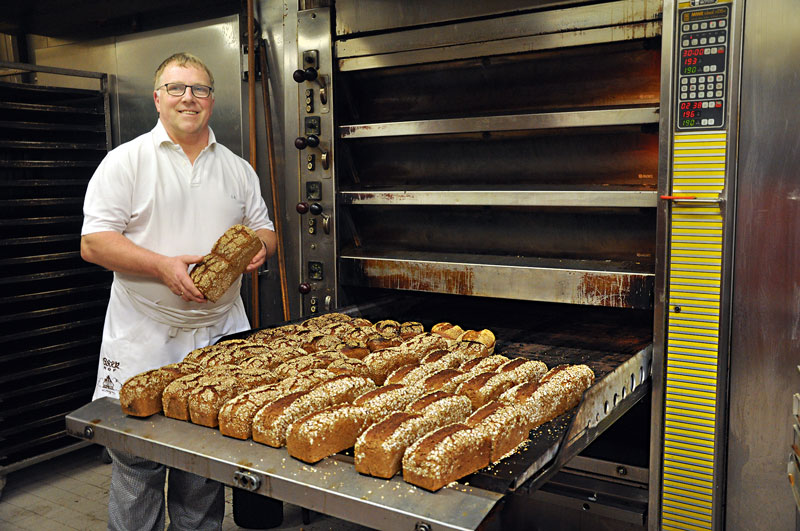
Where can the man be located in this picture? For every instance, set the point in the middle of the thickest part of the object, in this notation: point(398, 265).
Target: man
point(153, 208)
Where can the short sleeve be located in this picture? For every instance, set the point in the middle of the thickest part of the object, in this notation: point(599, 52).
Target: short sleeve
point(256, 215)
point(108, 202)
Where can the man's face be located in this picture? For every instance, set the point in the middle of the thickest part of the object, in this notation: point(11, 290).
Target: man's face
point(184, 116)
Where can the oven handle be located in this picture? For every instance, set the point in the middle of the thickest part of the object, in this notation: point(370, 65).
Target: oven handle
point(692, 199)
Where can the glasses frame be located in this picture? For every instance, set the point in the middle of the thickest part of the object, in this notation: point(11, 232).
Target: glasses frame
point(185, 86)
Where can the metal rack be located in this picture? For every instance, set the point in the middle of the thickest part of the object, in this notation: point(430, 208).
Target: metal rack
point(52, 303)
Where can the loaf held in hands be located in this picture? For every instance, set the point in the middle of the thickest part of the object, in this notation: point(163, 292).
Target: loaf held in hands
point(227, 260)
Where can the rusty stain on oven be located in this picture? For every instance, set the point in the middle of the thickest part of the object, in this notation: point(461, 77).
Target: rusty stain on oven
point(619, 291)
point(418, 277)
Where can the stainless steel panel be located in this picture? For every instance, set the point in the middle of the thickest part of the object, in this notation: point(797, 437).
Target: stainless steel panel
point(215, 42)
point(331, 486)
point(357, 16)
point(765, 324)
point(505, 46)
point(661, 266)
point(583, 17)
point(516, 122)
point(499, 197)
point(573, 282)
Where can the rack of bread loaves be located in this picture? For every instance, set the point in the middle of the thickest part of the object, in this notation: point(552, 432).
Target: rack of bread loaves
point(387, 399)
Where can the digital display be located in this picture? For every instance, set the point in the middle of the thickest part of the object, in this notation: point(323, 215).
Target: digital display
point(694, 60)
point(702, 75)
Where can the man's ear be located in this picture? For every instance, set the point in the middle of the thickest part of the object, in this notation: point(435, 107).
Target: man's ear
point(156, 101)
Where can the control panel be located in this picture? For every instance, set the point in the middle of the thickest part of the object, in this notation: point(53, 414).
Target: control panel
point(702, 68)
point(313, 147)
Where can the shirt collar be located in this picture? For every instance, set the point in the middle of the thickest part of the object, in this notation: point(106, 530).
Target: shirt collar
point(160, 136)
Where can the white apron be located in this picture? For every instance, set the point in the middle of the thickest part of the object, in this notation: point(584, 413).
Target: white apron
point(140, 335)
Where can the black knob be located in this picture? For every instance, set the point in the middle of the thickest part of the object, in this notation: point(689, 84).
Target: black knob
point(315, 209)
point(312, 140)
point(304, 288)
point(310, 73)
point(301, 76)
point(302, 207)
point(300, 142)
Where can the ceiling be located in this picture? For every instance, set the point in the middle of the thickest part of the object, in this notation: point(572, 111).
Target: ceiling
point(86, 19)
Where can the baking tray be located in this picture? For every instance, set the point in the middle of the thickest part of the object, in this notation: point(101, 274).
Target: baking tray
point(616, 346)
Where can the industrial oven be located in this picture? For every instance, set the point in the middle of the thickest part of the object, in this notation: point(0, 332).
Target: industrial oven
point(567, 174)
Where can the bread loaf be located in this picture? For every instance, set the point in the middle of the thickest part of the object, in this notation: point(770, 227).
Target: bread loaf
point(410, 329)
point(213, 390)
point(484, 336)
point(271, 423)
point(412, 373)
point(353, 348)
point(558, 393)
point(505, 425)
point(352, 366)
point(479, 365)
point(444, 456)
point(320, 321)
point(423, 344)
point(382, 362)
point(236, 415)
point(447, 330)
point(203, 354)
point(175, 398)
point(469, 350)
point(444, 380)
point(140, 396)
point(442, 408)
point(443, 359)
point(383, 401)
point(485, 387)
point(305, 363)
point(379, 450)
point(378, 341)
point(326, 432)
point(272, 357)
point(269, 334)
point(524, 370)
point(227, 260)
point(387, 327)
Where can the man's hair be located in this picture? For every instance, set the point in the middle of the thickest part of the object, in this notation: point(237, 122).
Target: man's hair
point(181, 59)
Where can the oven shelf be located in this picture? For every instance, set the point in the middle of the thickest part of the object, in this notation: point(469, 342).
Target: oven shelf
point(587, 198)
point(585, 282)
point(510, 122)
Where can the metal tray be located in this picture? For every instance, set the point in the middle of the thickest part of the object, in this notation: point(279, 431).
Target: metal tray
point(618, 351)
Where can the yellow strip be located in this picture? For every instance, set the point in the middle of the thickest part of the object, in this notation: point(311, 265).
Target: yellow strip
point(689, 506)
point(689, 452)
point(678, 484)
point(704, 501)
point(689, 461)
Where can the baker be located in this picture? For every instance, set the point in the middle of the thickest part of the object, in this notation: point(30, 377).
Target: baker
point(153, 208)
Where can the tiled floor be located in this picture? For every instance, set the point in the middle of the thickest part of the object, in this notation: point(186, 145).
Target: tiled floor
point(71, 492)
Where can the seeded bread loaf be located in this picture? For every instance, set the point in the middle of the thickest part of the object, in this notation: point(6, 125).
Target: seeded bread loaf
point(379, 450)
point(505, 425)
point(444, 380)
point(213, 390)
point(382, 362)
point(140, 396)
point(485, 387)
point(326, 432)
point(175, 398)
point(227, 260)
point(479, 365)
point(236, 415)
point(556, 393)
point(423, 344)
point(383, 401)
point(444, 456)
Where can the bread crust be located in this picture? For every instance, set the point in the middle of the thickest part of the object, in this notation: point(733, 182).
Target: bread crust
point(553, 397)
point(444, 456)
point(505, 425)
point(227, 260)
point(326, 432)
point(385, 400)
point(236, 415)
point(382, 362)
point(379, 450)
point(444, 380)
point(448, 330)
point(140, 396)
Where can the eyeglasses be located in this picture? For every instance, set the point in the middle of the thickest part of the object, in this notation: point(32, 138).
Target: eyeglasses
point(179, 89)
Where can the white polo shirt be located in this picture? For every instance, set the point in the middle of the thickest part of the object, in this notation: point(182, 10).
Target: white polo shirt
point(148, 190)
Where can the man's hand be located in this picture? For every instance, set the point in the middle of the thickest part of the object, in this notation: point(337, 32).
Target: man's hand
point(173, 272)
point(258, 259)
point(117, 253)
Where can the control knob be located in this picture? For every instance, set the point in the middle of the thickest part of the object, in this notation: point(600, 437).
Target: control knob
point(315, 209)
point(304, 288)
point(302, 207)
point(309, 74)
point(302, 141)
